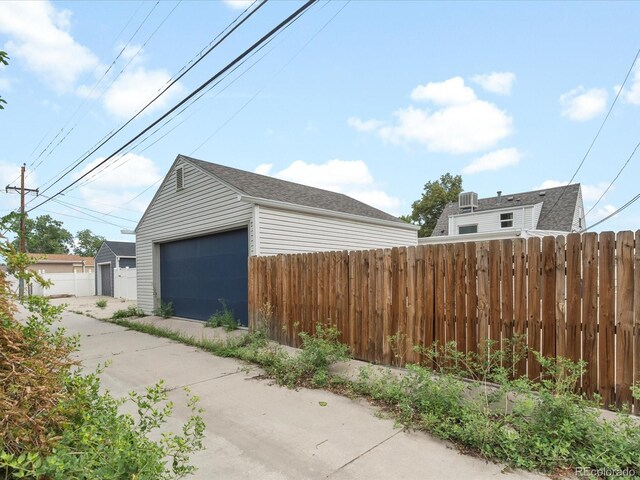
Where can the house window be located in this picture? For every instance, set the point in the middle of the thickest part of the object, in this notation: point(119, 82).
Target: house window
point(464, 229)
point(179, 178)
point(506, 220)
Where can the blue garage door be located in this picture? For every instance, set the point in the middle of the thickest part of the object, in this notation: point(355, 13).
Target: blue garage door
point(197, 272)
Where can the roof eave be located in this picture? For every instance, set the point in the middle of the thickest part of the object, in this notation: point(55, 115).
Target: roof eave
point(327, 213)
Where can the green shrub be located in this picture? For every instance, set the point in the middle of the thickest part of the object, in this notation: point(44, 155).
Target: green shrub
point(130, 311)
point(56, 422)
point(223, 318)
point(102, 303)
point(164, 310)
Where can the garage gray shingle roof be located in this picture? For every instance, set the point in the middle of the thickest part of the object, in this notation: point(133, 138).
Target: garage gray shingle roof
point(122, 249)
point(270, 188)
point(558, 217)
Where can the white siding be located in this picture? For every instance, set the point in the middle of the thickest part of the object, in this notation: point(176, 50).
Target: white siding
point(489, 221)
point(284, 231)
point(579, 222)
point(202, 207)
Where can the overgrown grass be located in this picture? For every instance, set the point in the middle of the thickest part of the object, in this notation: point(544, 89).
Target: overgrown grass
point(102, 303)
point(471, 399)
point(164, 310)
point(130, 311)
point(223, 318)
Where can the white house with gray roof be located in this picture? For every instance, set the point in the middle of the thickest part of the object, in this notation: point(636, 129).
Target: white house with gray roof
point(194, 239)
point(552, 211)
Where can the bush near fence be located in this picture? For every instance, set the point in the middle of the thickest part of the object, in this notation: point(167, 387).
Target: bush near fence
point(576, 297)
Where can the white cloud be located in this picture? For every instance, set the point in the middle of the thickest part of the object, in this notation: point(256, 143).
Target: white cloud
point(599, 213)
point(632, 93)
point(135, 88)
point(449, 92)
point(364, 125)
point(264, 168)
point(467, 128)
point(496, 82)
point(238, 4)
point(119, 181)
point(502, 158)
point(462, 124)
point(351, 177)
point(581, 105)
point(39, 37)
point(590, 193)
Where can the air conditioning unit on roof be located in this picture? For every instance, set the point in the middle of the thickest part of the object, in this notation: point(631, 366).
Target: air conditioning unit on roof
point(468, 200)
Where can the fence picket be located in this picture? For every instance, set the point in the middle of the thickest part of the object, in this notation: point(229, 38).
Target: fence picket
point(624, 318)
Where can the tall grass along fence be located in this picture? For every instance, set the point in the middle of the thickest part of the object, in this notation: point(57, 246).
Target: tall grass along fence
point(576, 297)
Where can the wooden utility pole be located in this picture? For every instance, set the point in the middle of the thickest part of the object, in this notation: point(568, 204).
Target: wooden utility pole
point(23, 242)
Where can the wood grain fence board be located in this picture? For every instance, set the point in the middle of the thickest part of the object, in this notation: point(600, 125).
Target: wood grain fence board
point(483, 293)
point(402, 300)
point(429, 298)
point(352, 302)
point(561, 304)
point(472, 297)
point(440, 318)
point(395, 290)
point(520, 296)
point(419, 321)
point(411, 276)
point(574, 296)
point(379, 305)
point(449, 292)
point(548, 296)
point(534, 324)
point(590, 312)
point(636, 318)
point(460, 297)
point(367, 326)
point(495, 318)
point(606, 314)
point(387, 312)
point(371, 305)
point(361, 287)
point(506, 303)
point(624, 318)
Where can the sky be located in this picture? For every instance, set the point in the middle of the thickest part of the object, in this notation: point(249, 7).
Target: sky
point(371, 99)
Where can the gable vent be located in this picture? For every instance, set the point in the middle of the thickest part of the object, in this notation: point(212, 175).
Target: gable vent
point(179, 178)
point(468, 200)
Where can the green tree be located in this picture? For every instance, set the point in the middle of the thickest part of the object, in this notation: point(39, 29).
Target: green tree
point(3, 61)
point(87, 244)
point(426, 211)
point(42, 234)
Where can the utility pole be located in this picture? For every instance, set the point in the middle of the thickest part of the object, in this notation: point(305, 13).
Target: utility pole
point(23, 242)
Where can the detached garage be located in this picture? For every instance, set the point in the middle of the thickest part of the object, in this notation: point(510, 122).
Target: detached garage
point(193, 241)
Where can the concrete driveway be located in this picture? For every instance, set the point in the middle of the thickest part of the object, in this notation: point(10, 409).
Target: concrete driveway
point(258, 430)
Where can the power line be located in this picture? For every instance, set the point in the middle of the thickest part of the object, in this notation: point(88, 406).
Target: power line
point(629, 203)
point(614, 179)
point(95, 85)
point(115, 132)
point(291, 18)
point(594, 139)
point(79, 208)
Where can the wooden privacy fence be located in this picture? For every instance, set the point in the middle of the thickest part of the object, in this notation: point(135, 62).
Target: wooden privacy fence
point(577, 297)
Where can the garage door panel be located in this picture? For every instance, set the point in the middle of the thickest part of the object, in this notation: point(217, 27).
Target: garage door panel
point(197, 272)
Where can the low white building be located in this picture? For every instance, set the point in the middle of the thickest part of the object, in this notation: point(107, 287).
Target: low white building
point(552, 211)
point(193, 241)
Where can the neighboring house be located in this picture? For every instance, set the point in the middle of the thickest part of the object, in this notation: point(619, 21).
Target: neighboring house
point(552, 211)
point(195, 237)
point(112, 255)
point(61, 263)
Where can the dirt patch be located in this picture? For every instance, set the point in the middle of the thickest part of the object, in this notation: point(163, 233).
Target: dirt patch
point(89, 305)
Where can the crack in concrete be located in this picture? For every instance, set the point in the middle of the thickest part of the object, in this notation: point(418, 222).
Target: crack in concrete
point(115, 354)
point(364, 453)
point(201, 381)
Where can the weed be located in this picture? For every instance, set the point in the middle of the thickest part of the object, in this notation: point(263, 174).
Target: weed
point(130, 311)
point(164, 310)
point(398, 345)
point(102, 303)
point(223, 318)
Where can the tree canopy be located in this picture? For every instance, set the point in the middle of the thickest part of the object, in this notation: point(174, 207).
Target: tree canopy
point(426, 211)
point(87, 244)
point(3, 61)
